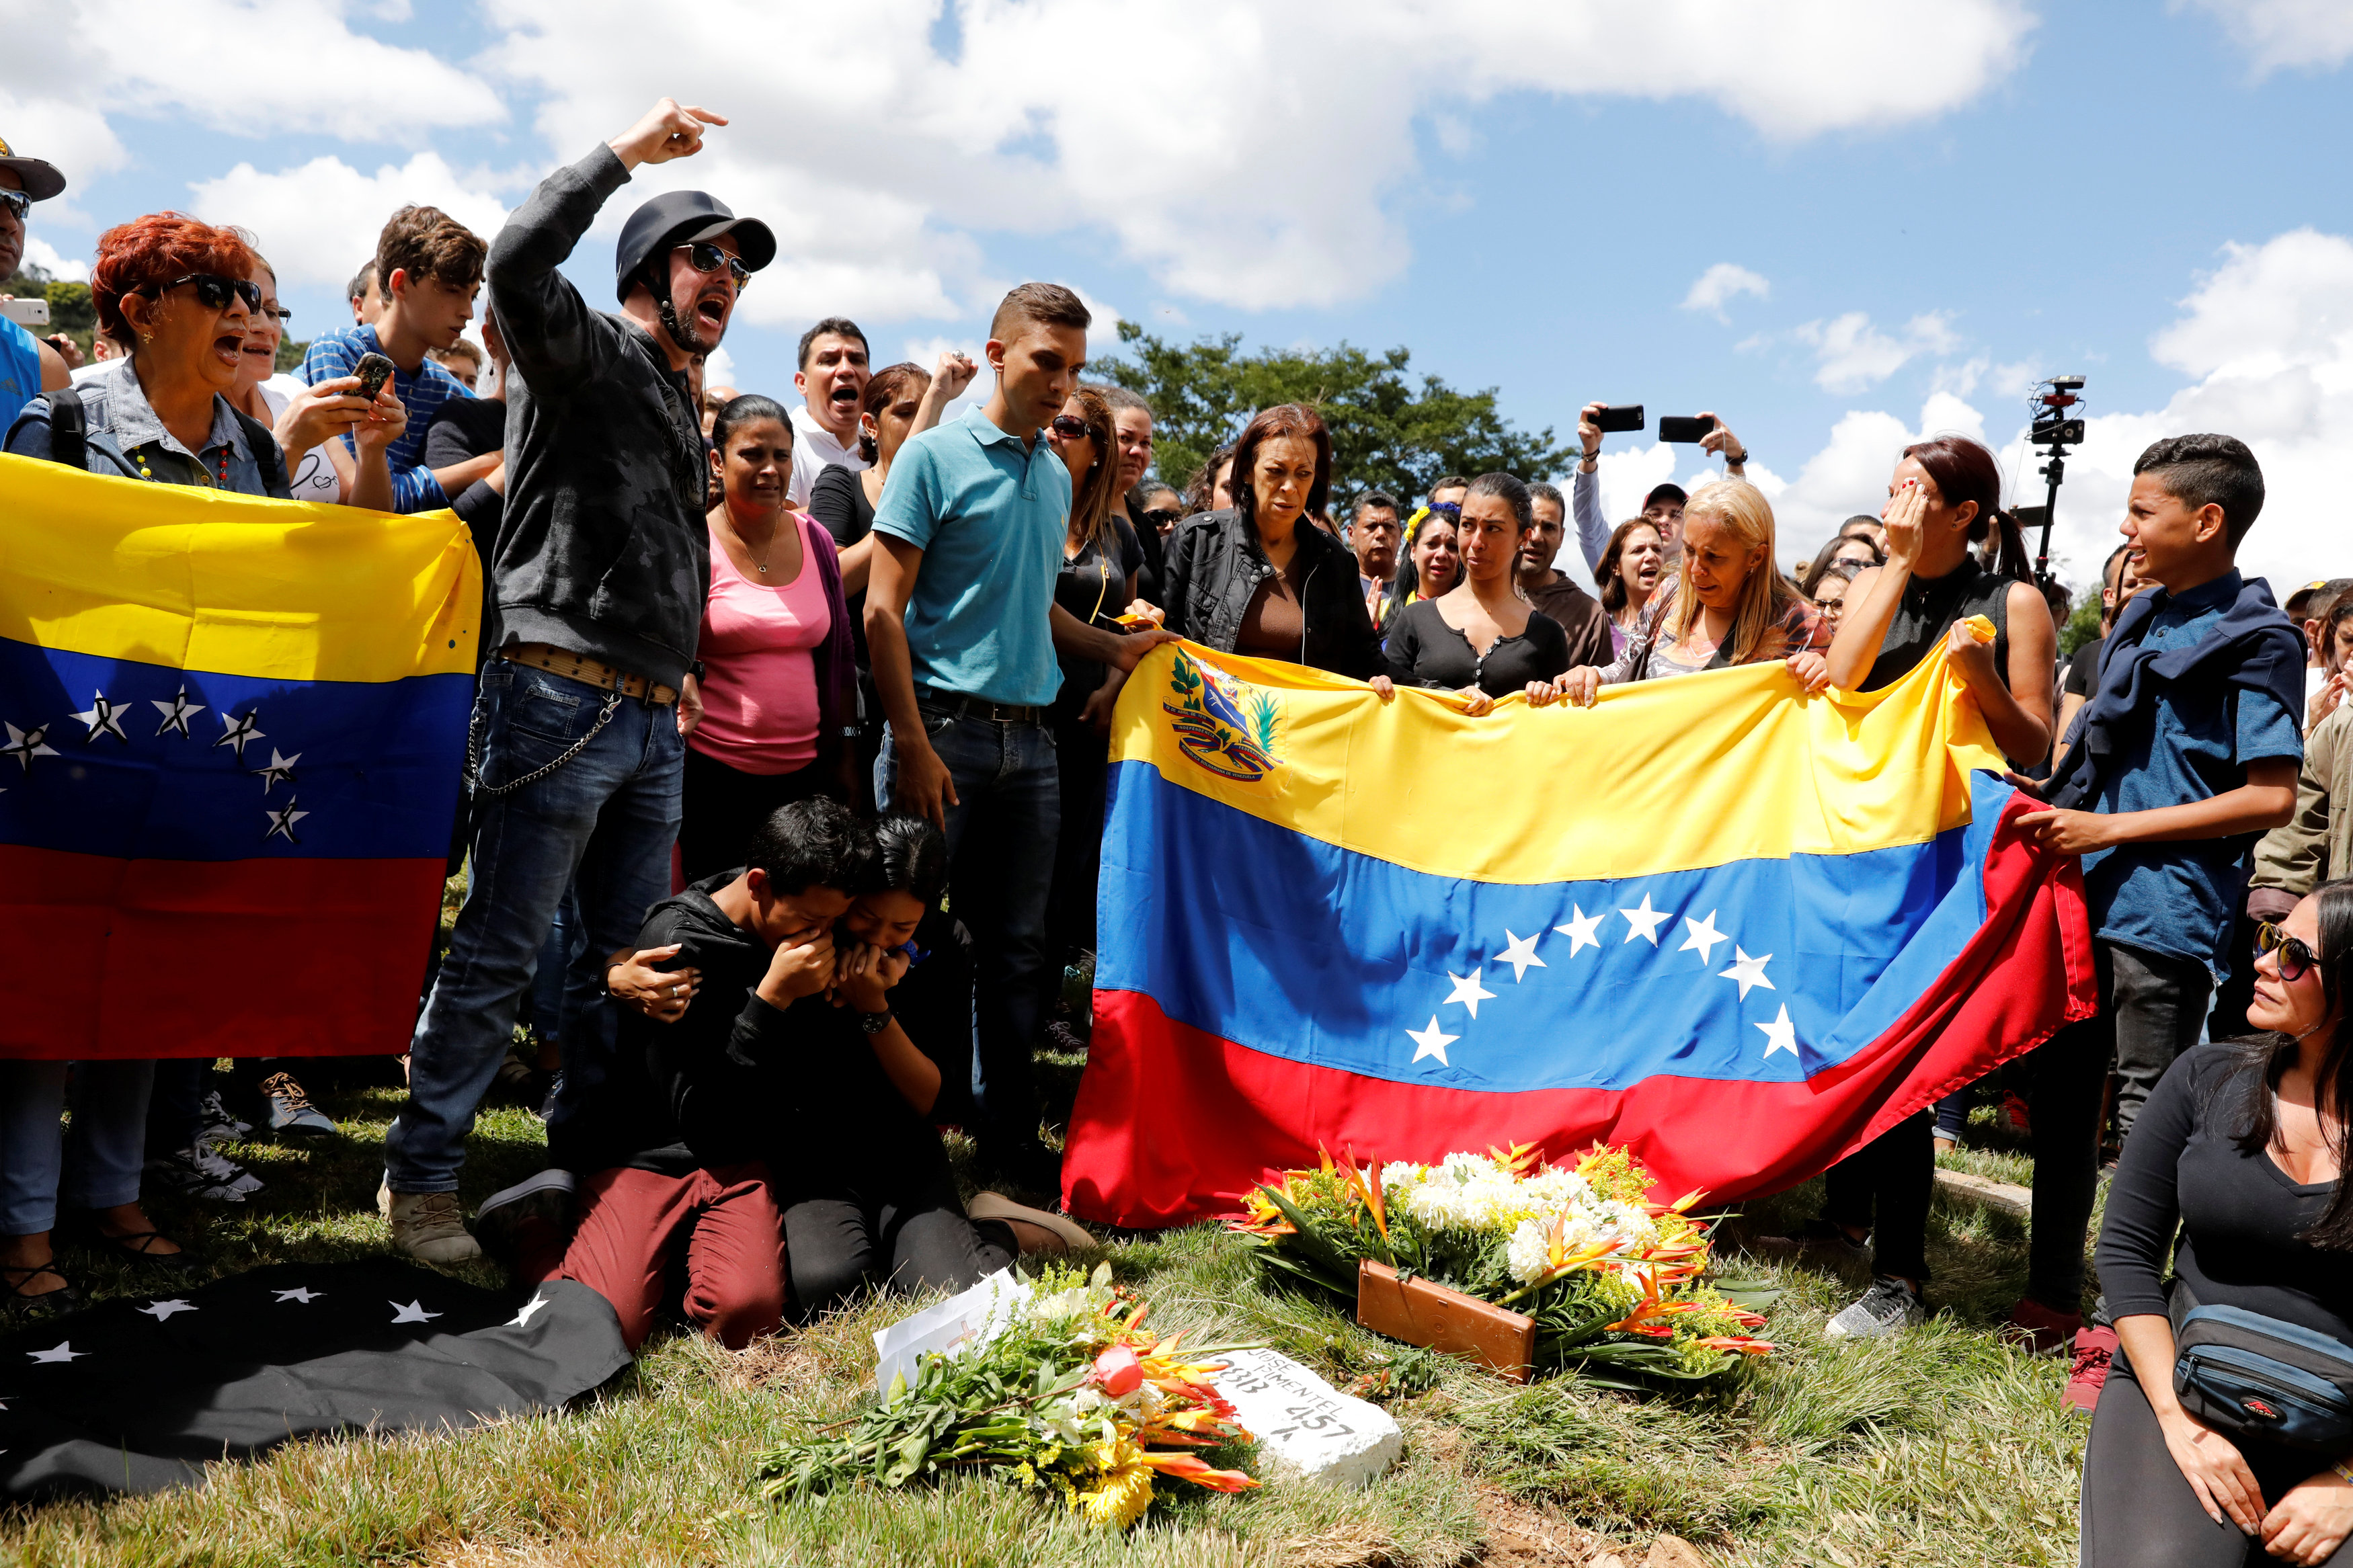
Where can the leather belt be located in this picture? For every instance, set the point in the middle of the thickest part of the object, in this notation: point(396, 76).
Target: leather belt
point(595, 672)
point(965, 707)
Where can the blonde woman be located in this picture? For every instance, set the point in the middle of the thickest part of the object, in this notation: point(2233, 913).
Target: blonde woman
point(1729, 604)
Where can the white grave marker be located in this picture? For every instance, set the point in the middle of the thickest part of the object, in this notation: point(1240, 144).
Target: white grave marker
point(1306, 1426)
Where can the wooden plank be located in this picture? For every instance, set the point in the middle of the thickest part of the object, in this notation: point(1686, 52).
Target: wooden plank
point(1422, 1313)
point(2007, 1196)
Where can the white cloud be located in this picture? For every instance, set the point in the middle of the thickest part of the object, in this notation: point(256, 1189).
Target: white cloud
point(40, 253)
point(1720, 284)
point(719, 370)
point(318, 222)
point(2312, 34)
point(1851, 354)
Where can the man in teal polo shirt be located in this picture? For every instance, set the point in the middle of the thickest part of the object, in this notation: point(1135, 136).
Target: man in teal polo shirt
point(963, 627)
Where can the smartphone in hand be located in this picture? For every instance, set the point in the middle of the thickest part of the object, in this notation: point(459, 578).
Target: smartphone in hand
point(1675, 428)
point(374, 371)
point(1619, 417)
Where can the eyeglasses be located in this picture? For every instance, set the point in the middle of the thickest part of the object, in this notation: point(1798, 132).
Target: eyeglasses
point(213, 290)
point(1069, 428)
point(1162, 516)
point(281, 311)
point(17, 203)
point(705, 256)
point(2295, 960)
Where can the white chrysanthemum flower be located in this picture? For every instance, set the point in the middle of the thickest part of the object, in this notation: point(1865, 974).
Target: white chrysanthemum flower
point(1529, 1253)
point(1628, 1220)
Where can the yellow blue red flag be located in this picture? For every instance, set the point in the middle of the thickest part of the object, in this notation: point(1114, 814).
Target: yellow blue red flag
point(1738, 929)
point(234, 732)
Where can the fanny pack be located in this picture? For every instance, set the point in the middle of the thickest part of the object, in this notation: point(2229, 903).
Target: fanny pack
point(2247, 1376)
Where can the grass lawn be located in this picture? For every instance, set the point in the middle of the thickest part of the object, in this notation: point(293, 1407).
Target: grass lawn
point(1943, 1448)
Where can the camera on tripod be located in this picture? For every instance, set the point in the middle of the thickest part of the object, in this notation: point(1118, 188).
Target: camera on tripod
point(2054, 430)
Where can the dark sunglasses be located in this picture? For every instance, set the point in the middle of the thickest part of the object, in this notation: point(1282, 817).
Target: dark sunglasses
point(17, 203)
point(705, 256)
point(1069, 428)
point(1162, 516)
point(2295, 960)
point(213, 290)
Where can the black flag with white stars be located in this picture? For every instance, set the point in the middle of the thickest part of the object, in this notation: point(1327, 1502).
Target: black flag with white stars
point(138, 1394)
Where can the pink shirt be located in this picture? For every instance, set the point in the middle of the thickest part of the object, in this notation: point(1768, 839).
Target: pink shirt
point(760, 711)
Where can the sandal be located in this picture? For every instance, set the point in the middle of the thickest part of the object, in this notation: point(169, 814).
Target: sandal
point(136, 1246)
point(14, 1296)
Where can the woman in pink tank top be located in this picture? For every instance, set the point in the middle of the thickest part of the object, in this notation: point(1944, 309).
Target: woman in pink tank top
point(776, 651)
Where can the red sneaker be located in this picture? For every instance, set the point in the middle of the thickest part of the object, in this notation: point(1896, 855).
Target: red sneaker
point(2095, 1347)
point(2037, 1329)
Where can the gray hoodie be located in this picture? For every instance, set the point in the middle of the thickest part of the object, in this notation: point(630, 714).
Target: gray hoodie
point(603, 549)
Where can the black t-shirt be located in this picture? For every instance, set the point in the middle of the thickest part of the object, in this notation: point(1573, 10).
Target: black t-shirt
point(2083, 670)
point(1423, 650)
point(837, 500)
point(1092, 586)
point(465, 427)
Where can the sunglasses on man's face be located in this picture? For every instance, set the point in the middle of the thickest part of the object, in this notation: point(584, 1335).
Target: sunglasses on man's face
point(16, 202)
point(705, 256)
point(2295, 960)
point(1069, 428)
point(213, 291)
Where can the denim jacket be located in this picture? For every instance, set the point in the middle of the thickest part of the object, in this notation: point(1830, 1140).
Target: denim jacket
point(126, 441)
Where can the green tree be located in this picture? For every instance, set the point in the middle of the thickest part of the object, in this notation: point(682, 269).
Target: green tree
point(1387, 432)
point(290, 351)
point(71, 311)
point(2083, 626)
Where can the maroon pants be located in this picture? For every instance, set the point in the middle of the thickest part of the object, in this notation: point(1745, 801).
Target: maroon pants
point(632, 1225)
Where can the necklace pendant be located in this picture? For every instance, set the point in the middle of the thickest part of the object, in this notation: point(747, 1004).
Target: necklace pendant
point(764, 568)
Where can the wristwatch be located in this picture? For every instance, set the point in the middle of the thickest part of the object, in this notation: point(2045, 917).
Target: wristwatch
point(874, 1023)
point(1739, 462)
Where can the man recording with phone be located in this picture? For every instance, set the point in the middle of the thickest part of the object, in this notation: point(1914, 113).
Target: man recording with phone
point(601, 570)
point(28, 366)
point(1664, 505)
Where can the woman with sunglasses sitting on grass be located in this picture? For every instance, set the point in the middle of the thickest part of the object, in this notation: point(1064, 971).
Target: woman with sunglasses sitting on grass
point(2240, 1154)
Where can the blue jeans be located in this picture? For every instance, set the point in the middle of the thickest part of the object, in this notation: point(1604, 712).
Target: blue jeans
point(93, 1166)
point(1001, 834)
point(602, 823)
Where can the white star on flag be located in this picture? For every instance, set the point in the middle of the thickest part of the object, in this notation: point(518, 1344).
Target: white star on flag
point(1645, 921)
point(302, 1293)
point(283, 820)
point(26, 744)
point(522, 1319)
point(414, 1312)
point(1520, 953)
point(160, 1311)
point(280, 770)
point(1701, 935)
point(62, 1351)
point(104, 718)
point(1580, 930)
point(176, 713)
point(240, 731)
point(1468, 991)
point(1749, 972)
point(1431, 1042)
point(1780, 1034)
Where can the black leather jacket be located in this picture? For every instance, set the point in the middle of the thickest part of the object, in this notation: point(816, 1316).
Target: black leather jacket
point(1215, 563)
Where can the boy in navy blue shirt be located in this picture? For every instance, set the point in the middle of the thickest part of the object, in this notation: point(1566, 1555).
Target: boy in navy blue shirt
point(2185, 755)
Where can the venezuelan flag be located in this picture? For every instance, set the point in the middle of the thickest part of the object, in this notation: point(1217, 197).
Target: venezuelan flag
point(1735, 929)
point(234, 734)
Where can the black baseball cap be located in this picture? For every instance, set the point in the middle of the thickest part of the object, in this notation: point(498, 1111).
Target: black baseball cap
point(41, 180)
point(681, 217)
point(1664, 492)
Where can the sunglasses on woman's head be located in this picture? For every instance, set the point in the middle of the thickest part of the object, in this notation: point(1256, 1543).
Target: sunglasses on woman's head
point(2295, 958)
point(705, 256)
point(1069, 428)
point(213, 290)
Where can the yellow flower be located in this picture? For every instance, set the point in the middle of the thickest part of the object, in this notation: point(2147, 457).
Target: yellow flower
point(1120, 1499)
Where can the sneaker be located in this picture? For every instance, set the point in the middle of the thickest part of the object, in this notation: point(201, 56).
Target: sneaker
point(1062, 1039)
point(2087, 1373)
point(290, 1111)
point(429, 1227)
point(520, 1079)
point(201, 1170)
point(544, 1199)
point(1067, 1235)
point(1816, 1240)
point(2038, 1329)
point(216, 1124)
point(1889, 1307)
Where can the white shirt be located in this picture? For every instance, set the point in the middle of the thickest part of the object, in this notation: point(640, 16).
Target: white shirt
point(310, 476)
point(814, 448)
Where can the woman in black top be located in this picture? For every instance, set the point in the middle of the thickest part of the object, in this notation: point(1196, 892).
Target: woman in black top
point(1481, 639)
point(1252, 580)
point(2240, 1154)
point(1945, 496)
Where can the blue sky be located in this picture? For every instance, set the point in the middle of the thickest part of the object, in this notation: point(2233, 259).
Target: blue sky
point(1937, 204)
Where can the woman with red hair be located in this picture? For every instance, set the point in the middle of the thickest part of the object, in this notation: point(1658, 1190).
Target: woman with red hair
point(178, 295)
point(1250, 580)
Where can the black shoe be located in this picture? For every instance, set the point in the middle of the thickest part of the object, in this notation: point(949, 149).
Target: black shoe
point(14, 1299)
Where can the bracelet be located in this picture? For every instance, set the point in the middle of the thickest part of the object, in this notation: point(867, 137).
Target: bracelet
point(2342, 1473)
